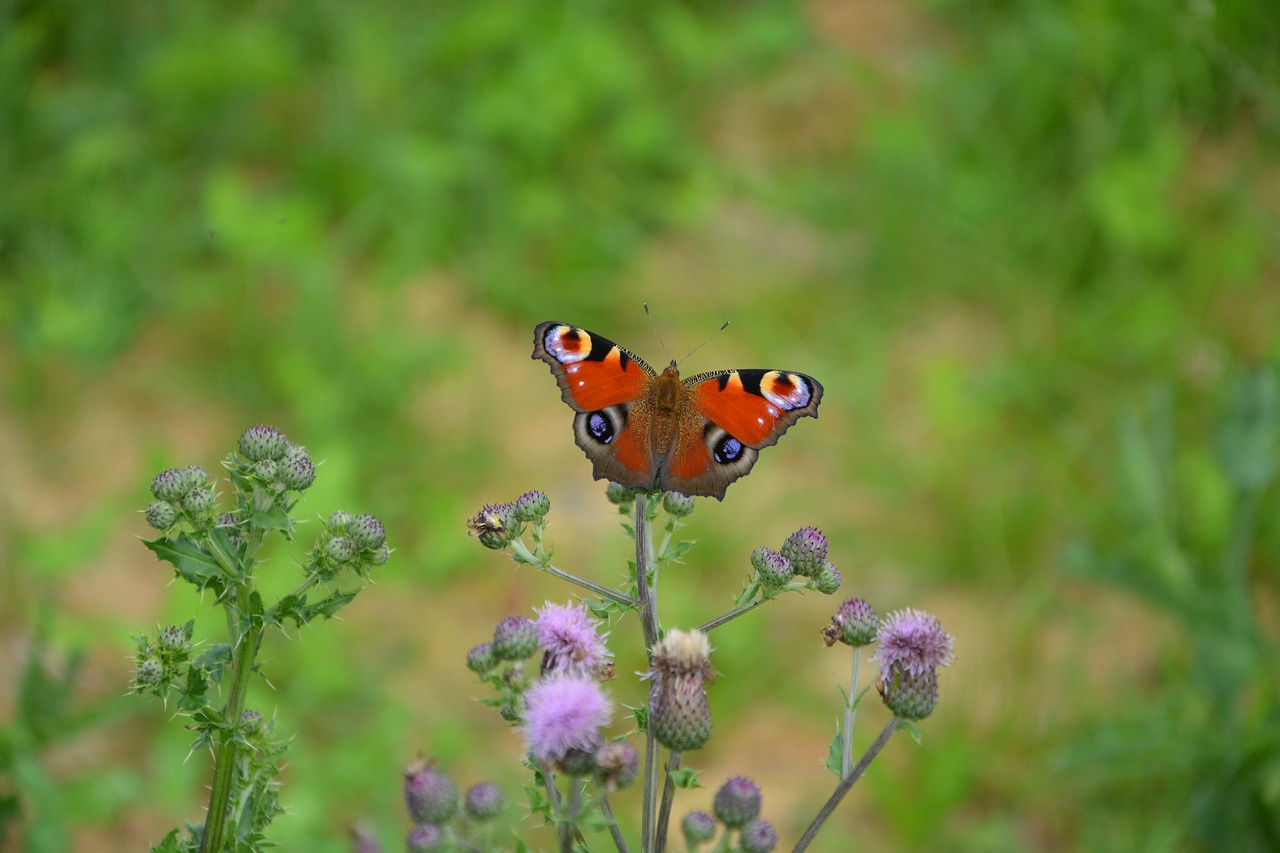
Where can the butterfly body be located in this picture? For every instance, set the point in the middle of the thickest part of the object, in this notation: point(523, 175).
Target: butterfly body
point(657, 431)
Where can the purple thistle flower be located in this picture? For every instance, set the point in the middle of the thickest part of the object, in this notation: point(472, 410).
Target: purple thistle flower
point(737, 803)
point(914, 642)
point(562, 712)
point(568, 634)
point(759, 836)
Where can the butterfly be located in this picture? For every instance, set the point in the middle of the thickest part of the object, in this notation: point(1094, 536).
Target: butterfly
point(656, 431)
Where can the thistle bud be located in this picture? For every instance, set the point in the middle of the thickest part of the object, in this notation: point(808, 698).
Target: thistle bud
point(150, 671)
point(380, 556)
point(481, 659)
point(759, 836)
point(698, 828)
point(679, 716)
point(198, 501)
point(855, 624)
point(620, 495)
point(367, 531)
point(173, 638)
point(828, 579)
point(515, 638)
point(161, 515)
point(532, 506)
point(429, 795)
point(340, 549)
point(426, 838)
point(339, 520)
point(484, 801)
point(773, 569)
point(737, 803)
point(261, 442)
point(297, 471)
point(267, 470)
point(807, 550)
point(167, 485)
point(494, 525)
point(677, 505)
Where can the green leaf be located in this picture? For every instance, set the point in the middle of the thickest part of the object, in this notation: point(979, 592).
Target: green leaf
point(835, 755)
point(685, 777)
point(276, 517)
point(192, 563)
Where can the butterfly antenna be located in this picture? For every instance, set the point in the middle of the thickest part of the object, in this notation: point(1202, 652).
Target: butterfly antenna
point(704, 343)
point(654, 326)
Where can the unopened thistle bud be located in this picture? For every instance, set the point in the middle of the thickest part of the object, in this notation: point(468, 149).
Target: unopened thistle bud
point(173, 638)
point(532, 506)
point(807, 550)
point(429, 794)
point(261, 442)
point(266, 470)
point(679, 717)
point(515, 638)
point(480, 659)
point(759, 836)
point(698, 828)
point(772, 569)
point(367, 531)
point(150, 671)
point(620, 495)
point(198, 501)
point(297, 471)
point(338, 521)
point(426, 838)
point(167, 485)
point(828, 579)
point(380, 556)
point(677, 504)
point(911, 696)
point(617, 763)
point(855, 624)
point(737, 803)
point(340, 549)
point(484, 801)
point(161, 515)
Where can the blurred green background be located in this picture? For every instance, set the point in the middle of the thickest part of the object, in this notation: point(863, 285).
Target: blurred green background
point(1032, 250)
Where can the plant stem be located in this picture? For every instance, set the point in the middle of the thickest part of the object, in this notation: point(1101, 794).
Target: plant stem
point(225, 753)
point(850, 710)
point(528, 557)
point(845, 785)
point(668, 794)
point(649, 624)
point(618, 840)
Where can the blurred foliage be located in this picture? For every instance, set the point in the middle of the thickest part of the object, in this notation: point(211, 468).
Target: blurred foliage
point(1195, 534)
point(981, 225)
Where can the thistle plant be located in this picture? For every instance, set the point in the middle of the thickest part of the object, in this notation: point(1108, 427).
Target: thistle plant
point(218, 552)
point(551, 676)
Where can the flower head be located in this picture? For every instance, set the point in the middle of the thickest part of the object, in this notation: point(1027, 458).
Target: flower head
point(495, 525)
point(514, 638)
point(759, 836)
point(569, 636)
point(806, 549)
point(679, 716)
point(532, 506)
point(617, 764)
point(429, 794)
point(854, 624)
point(912, 641)
point(773, 569)
point(911, 696)
point(562, 712)
point(737, 803)
point(697, 828)
point(484, 801)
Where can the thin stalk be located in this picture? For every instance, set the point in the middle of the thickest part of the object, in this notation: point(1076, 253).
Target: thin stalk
point(527, 556)
point(649, 624)
point(845, 785)
point(563, 832)
point(850, 711)
point(668, 795)
point(618, 840)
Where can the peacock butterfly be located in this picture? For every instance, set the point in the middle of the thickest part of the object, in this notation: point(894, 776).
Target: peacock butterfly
point(641, 428)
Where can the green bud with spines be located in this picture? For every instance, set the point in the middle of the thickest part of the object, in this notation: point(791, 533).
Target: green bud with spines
point(199, 501)
point(807, 550)
point(430, 795)
point(577, 762)
point(261, 442)
point(854, 624)
point(698, 828)
point(173, 638)
point(150, 671)
point(380, 556)
point(737, 803)
point(340, 549)
point(532, 506)
point(484, 801)
point(758, 836)
point(772, 569)
point(339, 521)
point(266, 470)
point(515, 638)
point(161, 515)
point(828, 579)
point(677, 504)
point(481, 659)
point(426, 838)
point(167, 485)
point(620, 495)
point(679, 716)
point(297, 471)
point(367, 531)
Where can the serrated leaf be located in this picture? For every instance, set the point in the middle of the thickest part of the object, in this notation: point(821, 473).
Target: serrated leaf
point(276, 517)
point(192, 563)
